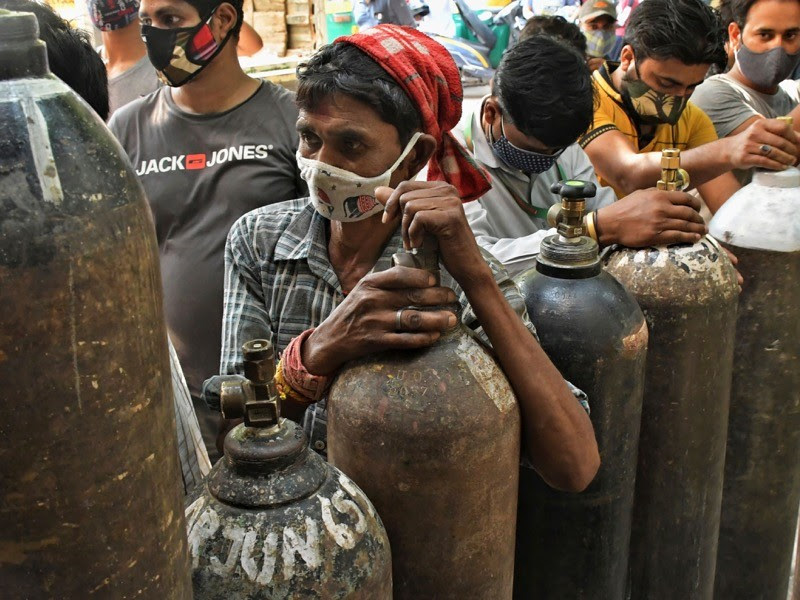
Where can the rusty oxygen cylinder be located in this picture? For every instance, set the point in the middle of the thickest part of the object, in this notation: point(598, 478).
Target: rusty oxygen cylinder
point(760, 224)
point(576, 545)
point(92, 503)
point(275, 521)
point(433, 437)
point(688, 293)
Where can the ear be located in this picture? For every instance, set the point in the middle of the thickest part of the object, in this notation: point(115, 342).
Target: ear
point(419, 156)
point(225, 18)
point(734, 35)
point(626, 57)
point(491, 112)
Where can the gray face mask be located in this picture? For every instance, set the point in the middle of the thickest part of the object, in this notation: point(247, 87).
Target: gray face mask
point(766, 69)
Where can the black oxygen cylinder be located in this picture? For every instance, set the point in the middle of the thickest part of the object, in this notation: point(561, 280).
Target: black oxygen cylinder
point(92, 501)
point(576, 545)
point(761, 225)
point(688, 293)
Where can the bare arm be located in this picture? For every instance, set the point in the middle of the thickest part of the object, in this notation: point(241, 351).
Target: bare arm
point(557, 431)
point(717, 191)
point(617, 162)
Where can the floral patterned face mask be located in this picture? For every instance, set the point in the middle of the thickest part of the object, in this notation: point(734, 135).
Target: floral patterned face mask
point(341, 195)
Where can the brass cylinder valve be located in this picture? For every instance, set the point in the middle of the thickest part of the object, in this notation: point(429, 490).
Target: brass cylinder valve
point(673, 178)
point(254, 398)
point(567, 216)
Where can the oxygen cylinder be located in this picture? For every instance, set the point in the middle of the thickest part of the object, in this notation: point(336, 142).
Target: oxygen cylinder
point(274, 521)
point(576, 545)
point(688, 293)
point(761, 225)
point(91, 486)
point(433, 438)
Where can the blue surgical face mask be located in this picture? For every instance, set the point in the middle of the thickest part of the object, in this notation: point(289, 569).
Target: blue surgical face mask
point(526, 161)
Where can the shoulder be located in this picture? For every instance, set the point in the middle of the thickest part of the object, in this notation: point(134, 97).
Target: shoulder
point(277, 97)
point(137, 110)
point(259, 230)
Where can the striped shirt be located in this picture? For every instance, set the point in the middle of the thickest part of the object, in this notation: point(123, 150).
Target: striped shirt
point(279, 282)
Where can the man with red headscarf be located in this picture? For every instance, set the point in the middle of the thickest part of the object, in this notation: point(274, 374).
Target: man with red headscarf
point(315, 277)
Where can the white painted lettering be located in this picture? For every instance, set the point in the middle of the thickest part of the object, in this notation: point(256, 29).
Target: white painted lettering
point(308, 549)
point(177, 162)
point(249, 152)
point(152, 167)
point(261, 151)
point(270, 556)
point(236, 536)
point(341, 533)
point(202, 529)
point(164, 167)
point(235, 153)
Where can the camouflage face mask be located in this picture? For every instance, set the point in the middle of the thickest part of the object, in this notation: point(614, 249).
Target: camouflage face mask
point(651, 107)
point(180, 54)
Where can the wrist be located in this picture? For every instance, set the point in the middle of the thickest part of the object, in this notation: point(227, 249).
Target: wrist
point(604, 226)
point(315, 355)
point(476, 278)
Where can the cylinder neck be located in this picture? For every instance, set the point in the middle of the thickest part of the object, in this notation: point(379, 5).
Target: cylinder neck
point(22, 53)
point(265, 468)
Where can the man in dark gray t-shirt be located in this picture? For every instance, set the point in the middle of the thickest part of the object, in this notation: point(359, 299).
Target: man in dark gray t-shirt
point(207, 152)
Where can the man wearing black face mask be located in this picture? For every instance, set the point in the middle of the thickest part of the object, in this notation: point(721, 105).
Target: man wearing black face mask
point(765, 38)
point(525, 136)
point(644, 107)
point(209, 146)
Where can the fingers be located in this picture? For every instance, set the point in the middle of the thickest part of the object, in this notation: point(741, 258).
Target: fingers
point(757, 160)
point(687, 215)
point(683, 199)
point(731, 255)
point(398, 278)
point(410, 320)
point(394, 200)
point(683, 226)
point(672, 236)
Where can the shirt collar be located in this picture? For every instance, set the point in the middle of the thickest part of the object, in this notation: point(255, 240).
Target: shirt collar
point(602, 77)
point(306, 239)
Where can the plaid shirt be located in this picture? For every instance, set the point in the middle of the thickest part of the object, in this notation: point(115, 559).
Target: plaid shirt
point(279, 282)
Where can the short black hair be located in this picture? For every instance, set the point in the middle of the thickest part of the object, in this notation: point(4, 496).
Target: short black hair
point(545, 89)
point(70, 53)
point(739, 10)
point(557, 27)
point(725, 10)
point(204, 8)
point(342, 68)
point(687, 30)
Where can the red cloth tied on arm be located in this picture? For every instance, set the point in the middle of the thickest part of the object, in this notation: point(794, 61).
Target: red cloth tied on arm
point(426, 72)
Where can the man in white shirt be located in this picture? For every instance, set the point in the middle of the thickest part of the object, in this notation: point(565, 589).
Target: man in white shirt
point(524, 134)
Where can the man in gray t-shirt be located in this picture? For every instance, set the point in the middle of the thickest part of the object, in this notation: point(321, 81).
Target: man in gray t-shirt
point(210, 147)
point(764, 36)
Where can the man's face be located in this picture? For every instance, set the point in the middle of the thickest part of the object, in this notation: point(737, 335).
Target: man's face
point(669, 76)
point(770, 24)
point(601, 23)
point(346, 133)
point(492, 114)
point(168, 14)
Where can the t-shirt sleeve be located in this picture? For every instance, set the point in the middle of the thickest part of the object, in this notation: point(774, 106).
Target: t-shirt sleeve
point(701, 129)
point(602, 122)
point(724, 105)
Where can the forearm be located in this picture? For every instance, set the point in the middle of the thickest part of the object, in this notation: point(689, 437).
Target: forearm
point(708, 161)
point(557, 431)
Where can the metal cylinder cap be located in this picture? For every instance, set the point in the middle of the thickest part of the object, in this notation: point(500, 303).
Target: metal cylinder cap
point(266, 467)
point(783, 179)
point(22, 53)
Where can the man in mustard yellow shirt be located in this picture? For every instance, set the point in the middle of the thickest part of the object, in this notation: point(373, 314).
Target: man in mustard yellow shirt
point(643, 107)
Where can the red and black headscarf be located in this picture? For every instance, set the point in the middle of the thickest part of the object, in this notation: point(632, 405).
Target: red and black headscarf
point(426, 72)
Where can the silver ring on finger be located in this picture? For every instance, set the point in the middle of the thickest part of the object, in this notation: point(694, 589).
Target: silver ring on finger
point(398, 320)
point(765, 149)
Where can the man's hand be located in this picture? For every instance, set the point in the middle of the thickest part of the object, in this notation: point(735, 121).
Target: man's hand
point(366, 321)
point(767, 143)
point(651, 217)
point(434, 208)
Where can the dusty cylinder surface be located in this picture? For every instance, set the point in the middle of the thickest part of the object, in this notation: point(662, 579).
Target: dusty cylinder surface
point(432, 436)
point(688, 294)
point(761, 226)
point(576, 545)
point(92, 504)
point(274, 521)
